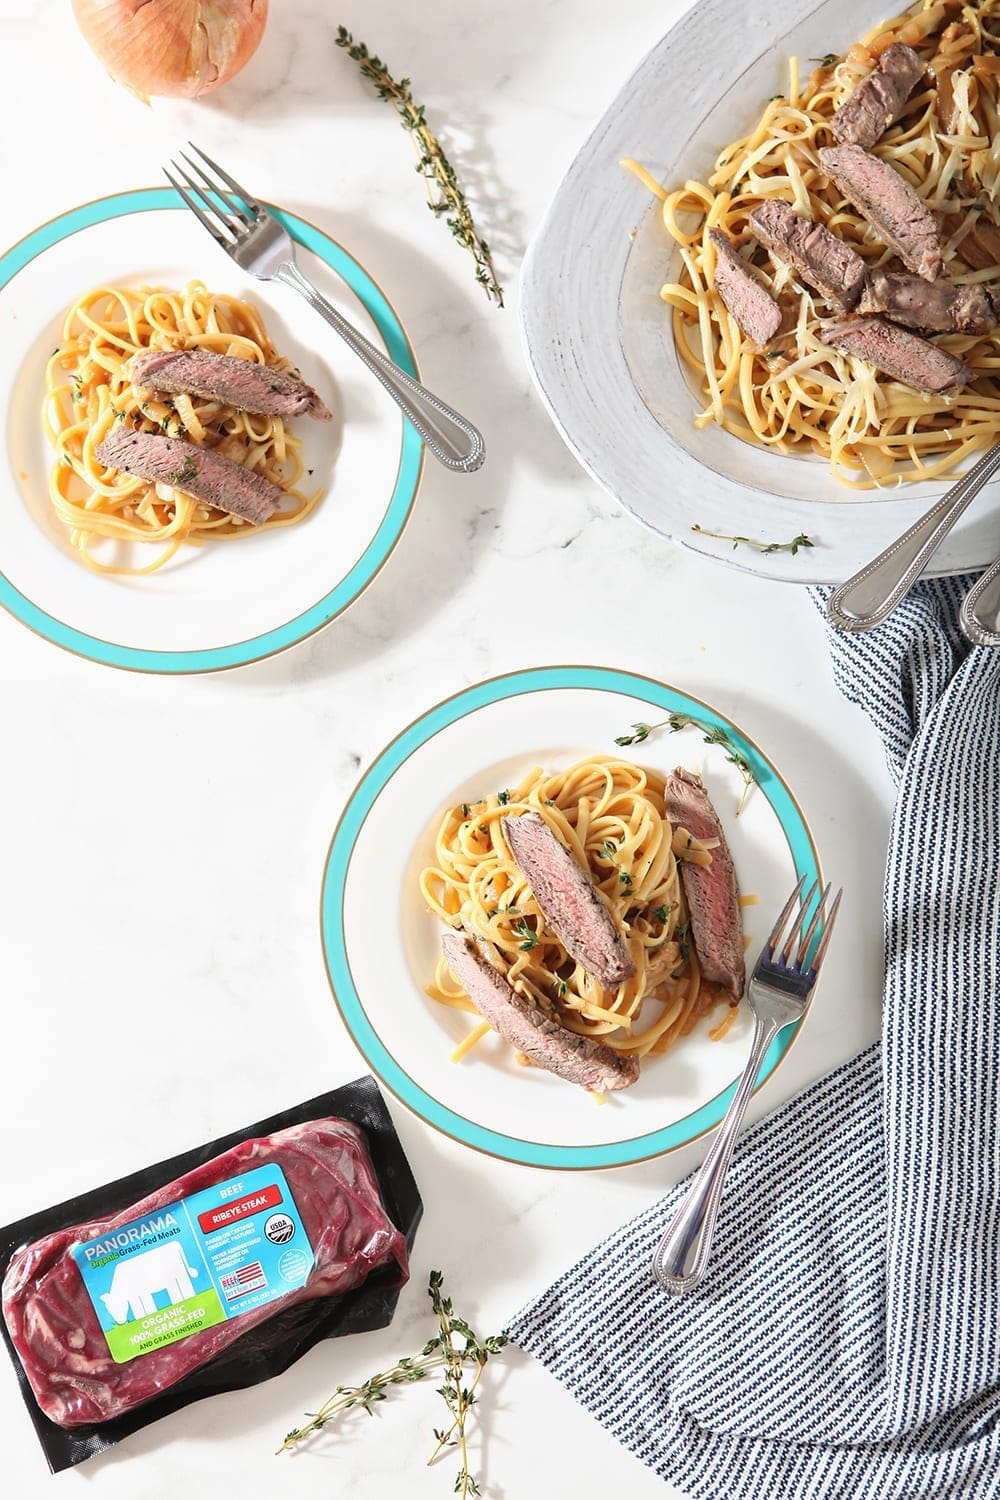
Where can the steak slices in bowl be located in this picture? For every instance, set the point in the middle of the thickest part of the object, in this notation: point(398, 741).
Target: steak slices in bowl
point(711, 891)
point(201, 472)
point(569, 899)
point(526, 1026)
point(929, 306)
point(240, 383)
point(904, 355)
point(885, 198)
point(826, 263)
point(746, 297)
point(879, 99)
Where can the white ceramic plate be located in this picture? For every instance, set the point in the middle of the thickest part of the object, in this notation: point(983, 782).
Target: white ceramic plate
point(219, 605)
point(381, 944)
point(598, 336)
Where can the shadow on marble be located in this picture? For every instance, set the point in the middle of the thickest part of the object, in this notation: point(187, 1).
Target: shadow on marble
point(465, 57)
point(454, 514)
point(454, 53)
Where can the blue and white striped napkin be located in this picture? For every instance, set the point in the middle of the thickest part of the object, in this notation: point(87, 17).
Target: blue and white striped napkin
point(846, 1342)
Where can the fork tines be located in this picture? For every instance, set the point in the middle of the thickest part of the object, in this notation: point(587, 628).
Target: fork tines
point(786, 941)
point(227, 210)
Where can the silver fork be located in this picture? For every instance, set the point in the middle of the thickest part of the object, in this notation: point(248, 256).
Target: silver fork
point(871, 595)
point(262, 246)
point(980, 614)
point(779, 993)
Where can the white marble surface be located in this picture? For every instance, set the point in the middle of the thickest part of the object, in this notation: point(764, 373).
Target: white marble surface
point(162, 841)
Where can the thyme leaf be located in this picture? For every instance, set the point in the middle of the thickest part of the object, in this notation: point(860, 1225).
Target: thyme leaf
point(455, 1349)
point(524, 930)
point(712, 734)
point(445, 197)
point(797, 542)
point(187, 470)
point(828, 60)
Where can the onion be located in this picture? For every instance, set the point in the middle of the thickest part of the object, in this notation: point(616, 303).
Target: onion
point(175, 48)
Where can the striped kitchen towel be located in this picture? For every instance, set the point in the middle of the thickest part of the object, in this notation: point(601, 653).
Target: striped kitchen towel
point(846, 1341)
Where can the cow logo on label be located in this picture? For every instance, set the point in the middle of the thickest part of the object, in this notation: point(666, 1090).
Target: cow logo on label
point(138, 1279)
point(279, 1228)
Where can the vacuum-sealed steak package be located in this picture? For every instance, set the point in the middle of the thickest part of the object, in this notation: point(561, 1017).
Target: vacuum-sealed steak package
point(209, 1272)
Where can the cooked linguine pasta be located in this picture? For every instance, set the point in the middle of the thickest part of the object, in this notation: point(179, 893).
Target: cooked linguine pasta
point(610, 815)
point(800, 395)
point(87, 390)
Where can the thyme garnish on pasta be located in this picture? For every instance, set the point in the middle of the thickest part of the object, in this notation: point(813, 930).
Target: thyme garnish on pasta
point(524, 929)
point(710, 733)
point(444, 193)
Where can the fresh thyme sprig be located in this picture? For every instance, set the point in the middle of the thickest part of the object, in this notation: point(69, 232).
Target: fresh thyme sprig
point(524, 929)
point(766, 547)
point(454, 1349)
point(444, 194)
point(712, 734)
point(459, 1346)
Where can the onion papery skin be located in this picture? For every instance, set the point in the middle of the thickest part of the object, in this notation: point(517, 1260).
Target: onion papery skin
point(175, 49)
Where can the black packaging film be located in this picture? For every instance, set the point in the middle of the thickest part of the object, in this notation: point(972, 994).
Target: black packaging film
point(271, 1347)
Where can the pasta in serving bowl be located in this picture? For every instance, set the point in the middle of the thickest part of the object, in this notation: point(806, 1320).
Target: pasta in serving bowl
point(795, 392)
point(600, 338)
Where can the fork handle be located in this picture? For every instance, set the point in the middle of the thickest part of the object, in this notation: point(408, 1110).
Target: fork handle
point(452, 439)
point(873, 593)
point(980, 616)
point(682, 1255)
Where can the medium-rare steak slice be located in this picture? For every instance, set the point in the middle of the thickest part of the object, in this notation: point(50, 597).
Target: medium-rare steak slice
point(522, 1023)
point(52, 1318)
point(196, 471)
point(749, 301)
point(899, 353)
point(889, 204)
point(237, 382)
point(878, 99)
point(711, 891)
point(569, 899)
point(930, 306)
point(821, 259)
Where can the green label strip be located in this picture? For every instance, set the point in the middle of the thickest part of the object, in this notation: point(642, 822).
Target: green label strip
point(129, 1340)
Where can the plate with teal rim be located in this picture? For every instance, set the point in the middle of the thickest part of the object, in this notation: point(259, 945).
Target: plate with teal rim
point(222, 604)
point(380, 942)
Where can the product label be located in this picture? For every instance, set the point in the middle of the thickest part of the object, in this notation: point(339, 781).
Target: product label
point(195, 1262)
